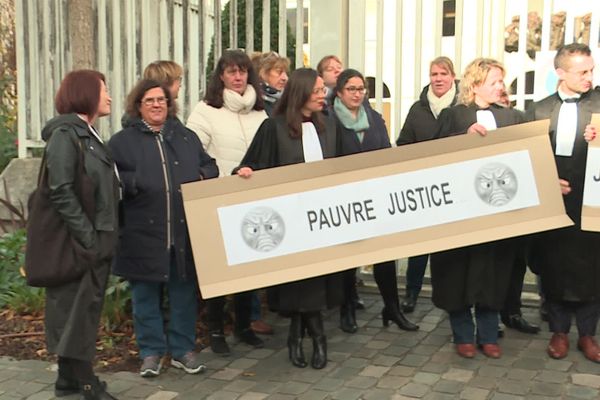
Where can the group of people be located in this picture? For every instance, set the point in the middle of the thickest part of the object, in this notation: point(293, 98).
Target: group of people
point(256, 115)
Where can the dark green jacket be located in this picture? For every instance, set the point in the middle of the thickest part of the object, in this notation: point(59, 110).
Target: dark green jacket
point(63, 135)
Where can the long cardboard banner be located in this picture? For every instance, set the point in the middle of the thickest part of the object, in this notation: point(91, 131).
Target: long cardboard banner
point(306, 220)
point(590, 211)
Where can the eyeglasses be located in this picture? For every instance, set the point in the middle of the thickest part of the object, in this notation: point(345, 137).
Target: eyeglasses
point(180, 79)
point(354, 89)
point(321, 90)
point(149, 102)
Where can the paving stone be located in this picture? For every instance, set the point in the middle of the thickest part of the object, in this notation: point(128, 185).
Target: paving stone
point(45, 395)
point(223, 395)
point(425, 350)
point(529, 363)
point(426, 378)
point(362, 382)
point(445, 386)
point(328, 384)
point(461, 375)
point(377, 345)
point(546, 389)
point(521, 374)
point(427, 327)
point(354, 362)
point(253, 396)
point(392, 382)
point(227, 374)
point(586, 380)
point(240, 386)
point(140, 392)
point(374, 371)
point(552, 377)
point(162, 395)
point(345, 373)
point(558, 365)
point(347, 394)
point(435, 368)
point(358, 338)
point(504, 396)
point(483, 382)
point(439, 396)
point(377, 394)
point(243, 363)
point(294, 388)
point(512, 387)
point(470, 393)
point(314, 395)
point(581, 392)
point(396, 351)
point(280, 396)
point(492, 371)
point(414, 390)
point(414, 360)
point(402, 370)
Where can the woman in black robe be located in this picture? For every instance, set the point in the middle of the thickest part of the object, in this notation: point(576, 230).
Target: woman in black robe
point(475, 276)
point(282, 140)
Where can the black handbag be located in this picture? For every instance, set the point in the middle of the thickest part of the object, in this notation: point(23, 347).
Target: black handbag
point(53, 256)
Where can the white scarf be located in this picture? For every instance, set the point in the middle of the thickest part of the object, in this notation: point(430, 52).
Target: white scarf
point(237, 103)
point(311, 146)
point(487, 119)
point(437, 104)
point(566, 126)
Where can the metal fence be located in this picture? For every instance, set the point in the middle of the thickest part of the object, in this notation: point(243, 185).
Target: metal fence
point(130, 34)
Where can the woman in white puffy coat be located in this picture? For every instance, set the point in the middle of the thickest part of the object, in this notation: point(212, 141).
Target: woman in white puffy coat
point(231, 111)
point(226, 121)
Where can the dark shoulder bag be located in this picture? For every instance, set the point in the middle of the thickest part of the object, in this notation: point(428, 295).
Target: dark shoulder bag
point(52, 256)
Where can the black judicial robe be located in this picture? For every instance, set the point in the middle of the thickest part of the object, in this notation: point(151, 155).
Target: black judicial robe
point(568, 259)
point(478, 274)
point(272, 147)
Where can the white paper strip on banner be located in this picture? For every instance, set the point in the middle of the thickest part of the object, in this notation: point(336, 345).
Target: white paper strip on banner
point(366, 209)
point(591, 188)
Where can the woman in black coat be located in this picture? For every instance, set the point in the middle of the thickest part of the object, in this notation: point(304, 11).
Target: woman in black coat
point(155, 153)
point(475, 276)
point(73, 309)
point(279, 141)
point(363, 129)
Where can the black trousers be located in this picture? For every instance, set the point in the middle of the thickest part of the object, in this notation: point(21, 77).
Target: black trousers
point(242, 303)
point(586, 314)
point(387, 283)
point(512, 303)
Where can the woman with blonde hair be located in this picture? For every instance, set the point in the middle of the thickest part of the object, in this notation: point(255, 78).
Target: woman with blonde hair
point(167, 73)
point(475, 276)
point(273, 72)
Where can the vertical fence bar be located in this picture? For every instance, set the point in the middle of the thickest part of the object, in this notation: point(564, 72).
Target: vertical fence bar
point(266, 26)
point(379, 59)
point(418, 55)
point(249, 26)
point(282, 45)
point(398, 81)
point(299, 33)
point(233, 25)
point(218, 39)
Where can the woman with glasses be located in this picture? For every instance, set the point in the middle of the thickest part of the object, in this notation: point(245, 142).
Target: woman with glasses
point(363, 129)
point(155, 153)
point(298, 132)
point(273, 71)
point(226, 122)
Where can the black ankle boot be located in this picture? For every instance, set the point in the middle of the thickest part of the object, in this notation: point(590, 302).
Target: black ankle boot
point(410, 302)
point(314, 325)
point(66, 383)
point(397, 317)
point(295, 351)
point(95, 390)
point(348, 318)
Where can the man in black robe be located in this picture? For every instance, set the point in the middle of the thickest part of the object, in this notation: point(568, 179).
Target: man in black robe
point(568, 259)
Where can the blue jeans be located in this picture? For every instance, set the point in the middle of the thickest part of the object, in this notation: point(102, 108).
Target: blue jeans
point(180, 335)
point(256, 306)
point(463, 327)
point(415, 273)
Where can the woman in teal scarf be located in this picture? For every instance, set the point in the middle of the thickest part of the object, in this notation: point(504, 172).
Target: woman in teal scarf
point(363, 129)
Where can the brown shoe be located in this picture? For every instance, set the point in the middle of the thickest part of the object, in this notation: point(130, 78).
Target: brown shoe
point(466, 350)
point(491, 350)
point(559, 346)
point(261, 327)
point(589, 348)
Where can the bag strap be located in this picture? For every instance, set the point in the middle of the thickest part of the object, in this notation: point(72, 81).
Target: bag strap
point(43, 173)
